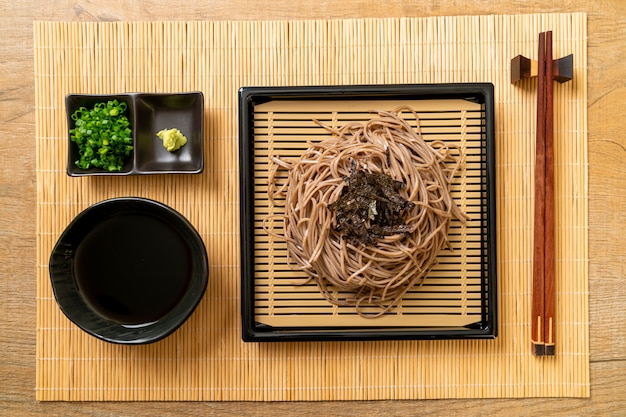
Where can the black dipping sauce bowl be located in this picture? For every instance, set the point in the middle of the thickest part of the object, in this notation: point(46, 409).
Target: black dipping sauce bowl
point(129, 270)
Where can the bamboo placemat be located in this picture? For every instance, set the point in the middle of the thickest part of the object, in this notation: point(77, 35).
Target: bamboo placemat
point(206, 359)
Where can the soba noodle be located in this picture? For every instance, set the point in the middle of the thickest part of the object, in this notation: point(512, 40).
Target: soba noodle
point(359, 275)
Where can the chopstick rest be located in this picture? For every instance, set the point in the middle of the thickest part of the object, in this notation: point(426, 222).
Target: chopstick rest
point(546, 70)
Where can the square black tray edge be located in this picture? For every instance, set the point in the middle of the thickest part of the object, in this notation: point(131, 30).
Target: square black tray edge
point(248, 97)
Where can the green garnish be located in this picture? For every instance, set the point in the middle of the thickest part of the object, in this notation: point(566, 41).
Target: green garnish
point(103, 136)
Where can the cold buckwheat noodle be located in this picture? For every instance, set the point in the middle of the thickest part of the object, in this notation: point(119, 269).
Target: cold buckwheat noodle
point(355, 274)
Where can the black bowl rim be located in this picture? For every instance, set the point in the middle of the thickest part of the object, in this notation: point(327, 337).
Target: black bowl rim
point(77, 311)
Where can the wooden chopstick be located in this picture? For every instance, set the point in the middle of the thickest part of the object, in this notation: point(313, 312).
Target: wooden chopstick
point(549, 269)
point(538, 306)
point(543, 300)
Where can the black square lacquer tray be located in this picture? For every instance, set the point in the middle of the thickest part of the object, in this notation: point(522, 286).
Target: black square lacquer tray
point(458, 297)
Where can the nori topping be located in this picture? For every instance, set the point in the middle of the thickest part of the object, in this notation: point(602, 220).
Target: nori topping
point(370, 208)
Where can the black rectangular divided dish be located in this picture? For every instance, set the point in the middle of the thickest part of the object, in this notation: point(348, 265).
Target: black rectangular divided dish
point(149, 113)
point(458, 299)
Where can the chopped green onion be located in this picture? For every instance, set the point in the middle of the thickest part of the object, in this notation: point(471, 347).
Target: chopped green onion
point(103, 136)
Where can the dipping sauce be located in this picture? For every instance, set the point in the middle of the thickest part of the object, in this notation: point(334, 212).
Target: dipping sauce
point(133, 269)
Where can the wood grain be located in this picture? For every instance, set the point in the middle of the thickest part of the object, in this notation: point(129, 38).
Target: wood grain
point(607, 203)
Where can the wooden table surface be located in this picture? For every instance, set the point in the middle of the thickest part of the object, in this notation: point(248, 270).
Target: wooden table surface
point(607, 199)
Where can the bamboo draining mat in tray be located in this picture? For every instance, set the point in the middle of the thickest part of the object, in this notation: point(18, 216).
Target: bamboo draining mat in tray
point(458, 297)
point(206, 358)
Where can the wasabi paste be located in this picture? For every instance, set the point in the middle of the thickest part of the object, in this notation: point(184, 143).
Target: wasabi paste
point(172, 139)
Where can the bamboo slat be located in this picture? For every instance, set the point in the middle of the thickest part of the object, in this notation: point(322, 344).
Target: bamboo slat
point(285, 130)
point(206, 360)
